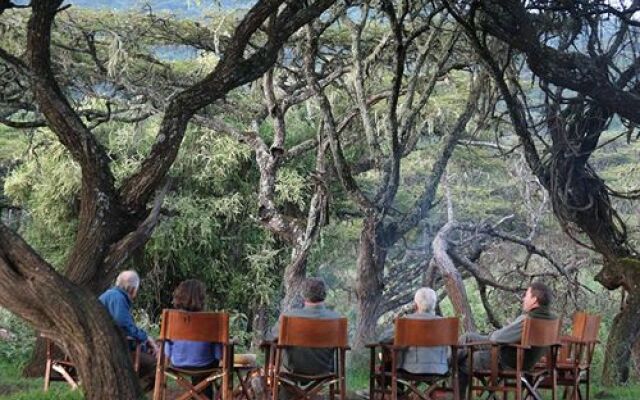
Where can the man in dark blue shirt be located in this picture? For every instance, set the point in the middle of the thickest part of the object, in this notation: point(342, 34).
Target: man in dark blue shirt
point(117, 300)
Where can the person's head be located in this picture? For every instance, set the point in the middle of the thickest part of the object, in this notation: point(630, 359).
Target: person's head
point(129, 281)
point(189, 295)
point(538, 294)
point(314, 290)
point(425, 299)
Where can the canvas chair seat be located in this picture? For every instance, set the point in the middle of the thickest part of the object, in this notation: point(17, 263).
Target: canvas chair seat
point(292, 376)
point(193, 371)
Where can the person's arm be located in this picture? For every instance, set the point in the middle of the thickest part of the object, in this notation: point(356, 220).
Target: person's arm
point(511, 333)
point(387, 335)
point(122, 317)
point(275, 330)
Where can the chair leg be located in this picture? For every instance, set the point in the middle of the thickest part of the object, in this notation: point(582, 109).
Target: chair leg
point(394, 388)
point(588, 383)
point(59, 369)
point(47, 375)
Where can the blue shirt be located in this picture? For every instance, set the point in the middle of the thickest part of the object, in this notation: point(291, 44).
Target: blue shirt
point(189, 353)
point(118, 303)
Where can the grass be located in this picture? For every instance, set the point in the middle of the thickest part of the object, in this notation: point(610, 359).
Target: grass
point(15, 387)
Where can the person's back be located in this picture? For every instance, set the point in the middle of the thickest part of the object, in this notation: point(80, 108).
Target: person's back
point(190, 354)
point(305, 360)
point(536, 303)
point(118, 300)
point(422, 360)
point(189, 296)
point(512, 333)
point(425, 360)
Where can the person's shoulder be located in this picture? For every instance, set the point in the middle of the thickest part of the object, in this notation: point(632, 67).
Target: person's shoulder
point(111, 292)
point(422, 315)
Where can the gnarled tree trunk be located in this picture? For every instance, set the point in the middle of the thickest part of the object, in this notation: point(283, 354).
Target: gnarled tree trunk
point(76, 320)
point(369, 281)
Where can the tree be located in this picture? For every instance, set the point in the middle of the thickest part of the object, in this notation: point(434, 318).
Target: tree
point(418, 61)
point(114, 220)
point(583, 56)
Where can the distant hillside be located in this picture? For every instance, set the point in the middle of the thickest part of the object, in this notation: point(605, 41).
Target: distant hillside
point(180, 7)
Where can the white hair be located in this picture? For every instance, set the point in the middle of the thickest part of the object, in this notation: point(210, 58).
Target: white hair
point(425, 299)
point(128, 280)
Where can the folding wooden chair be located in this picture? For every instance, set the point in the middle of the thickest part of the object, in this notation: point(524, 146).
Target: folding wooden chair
point(416, 333)
point(573, 366)
point(202, 327)
point(317, 334)
point(536, 333)
point(59, 367)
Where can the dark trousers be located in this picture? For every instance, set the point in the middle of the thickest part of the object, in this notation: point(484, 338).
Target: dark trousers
point(481, 360)
point(147, 371)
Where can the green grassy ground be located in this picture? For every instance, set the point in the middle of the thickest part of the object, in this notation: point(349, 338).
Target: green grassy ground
point(14, 387)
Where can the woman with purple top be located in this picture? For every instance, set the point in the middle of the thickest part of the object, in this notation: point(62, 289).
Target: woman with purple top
point(189, 296)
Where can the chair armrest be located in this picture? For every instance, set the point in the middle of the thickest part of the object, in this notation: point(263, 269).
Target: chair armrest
point(515, 345)
point(479, 343)
point(571, 339)
point(371, 345)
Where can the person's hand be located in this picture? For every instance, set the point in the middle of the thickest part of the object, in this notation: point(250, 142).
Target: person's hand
point(153, 346)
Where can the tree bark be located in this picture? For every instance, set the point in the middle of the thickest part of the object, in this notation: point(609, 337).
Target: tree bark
point(453, 283)
point(369, 281)
point(623, 335)
point(76, 320)
point(114, 222)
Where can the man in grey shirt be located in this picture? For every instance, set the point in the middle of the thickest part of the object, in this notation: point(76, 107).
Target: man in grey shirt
point(303, 360)
point(422, 360)
point(535, 304)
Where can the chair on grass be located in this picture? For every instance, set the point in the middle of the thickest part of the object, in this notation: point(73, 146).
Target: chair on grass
point(59, 367)
point(202, 327)
point(317, 334)
point(536, 333)
point(415, 333)
point(573, 366)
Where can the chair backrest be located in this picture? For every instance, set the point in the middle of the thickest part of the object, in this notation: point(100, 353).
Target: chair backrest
point(313, 332)
point(579, 321)
point(426, 332)
point(591, 328)
point(538, 332)
point(196, 326)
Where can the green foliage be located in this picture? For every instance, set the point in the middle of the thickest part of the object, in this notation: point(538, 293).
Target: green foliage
point(16, 349)
point(46, 184)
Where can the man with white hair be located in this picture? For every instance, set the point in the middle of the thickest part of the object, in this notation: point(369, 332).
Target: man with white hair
point(117, 300)
point(422, 360)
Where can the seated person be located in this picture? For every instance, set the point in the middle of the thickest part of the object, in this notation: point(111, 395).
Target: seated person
point(188, 354)
point(535, 304)
point(304, 360)
point(422, 360)
point(117, 300)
